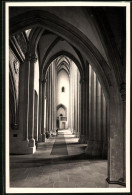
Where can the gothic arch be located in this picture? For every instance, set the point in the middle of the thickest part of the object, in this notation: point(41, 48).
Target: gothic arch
point(59, 54)
point(34, 37)
point(74, 36)
point(48, 51)
point(63, 106)
point(106, 35)
point(63, 65)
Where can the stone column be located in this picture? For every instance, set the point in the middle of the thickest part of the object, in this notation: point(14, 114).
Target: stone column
point(24, 96)
point(50, 102)
point(105, 129)
point(97, 118)
point(52, 111)
point(35, 116)
point(51, 97)
point(87, 102)
point(104, 133)
point(123, 96)
point(56, 89)
point(116, 155)
point(69, 113)
point(47, 95)
point(90, 102)
point(31, 104)
point(40, 111)
point(54, 97)
point(83, 110)
point(80, 114)
point(72, 96)
point(98, 113)
point(21, 143)
point(76, 106)
point(85, 107)
point(42, 116)
point(98, 139)
point(94, 108)
point(77, 103)
point(26, 143)
point(43, 108)
point(90, 142)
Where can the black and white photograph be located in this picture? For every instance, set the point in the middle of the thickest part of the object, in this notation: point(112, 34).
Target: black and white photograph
point(67, 76)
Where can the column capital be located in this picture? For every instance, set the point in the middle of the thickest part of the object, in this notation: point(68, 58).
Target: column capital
point(30, 57)
point(83, 80)
point(42, 81)
point(33, 58)
point(14, 126)
point(123, 91)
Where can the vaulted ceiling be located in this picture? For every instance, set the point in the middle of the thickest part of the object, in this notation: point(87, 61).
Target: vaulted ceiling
point(94, 35)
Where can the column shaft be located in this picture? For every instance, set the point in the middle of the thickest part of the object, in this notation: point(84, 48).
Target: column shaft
point(90, 103)
point(23, 99)
point(40, 112)
point(43, 110)
point(35, 116)
point(94, 108)
point(98, 113)
point(85, 107)
point(31, 104)
point(97, 118)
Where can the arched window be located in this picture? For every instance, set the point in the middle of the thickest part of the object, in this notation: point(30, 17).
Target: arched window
point(63, 89)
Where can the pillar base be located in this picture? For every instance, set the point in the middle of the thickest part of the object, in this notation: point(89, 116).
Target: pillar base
point(71, 131)
point(74, 132)
point(40, 138)
point(96, 149)
point(21, 147)
point(31, 142)
point(104, 150)
point(114, 184)
point(82, 139)
point(77, 134)
point(43, 137)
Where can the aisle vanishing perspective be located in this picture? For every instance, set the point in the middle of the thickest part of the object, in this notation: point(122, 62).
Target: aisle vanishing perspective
point(58, 163)
point(59, 147)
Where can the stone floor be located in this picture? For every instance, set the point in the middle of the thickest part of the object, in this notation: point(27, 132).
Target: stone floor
point(44, 170)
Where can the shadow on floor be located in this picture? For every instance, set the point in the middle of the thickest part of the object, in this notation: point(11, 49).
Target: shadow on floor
point(32, 162)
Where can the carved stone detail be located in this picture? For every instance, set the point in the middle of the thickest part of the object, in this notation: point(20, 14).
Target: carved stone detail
point(28, 56)
point(123, 91)
point(14, 126)
point(43, 81)
point(16, 66)
point(34, 58)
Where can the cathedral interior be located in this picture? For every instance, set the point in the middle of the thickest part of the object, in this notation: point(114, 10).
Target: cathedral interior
point(67, 97)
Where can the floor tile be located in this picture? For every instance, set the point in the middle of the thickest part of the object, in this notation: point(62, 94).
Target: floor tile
point(58, 171)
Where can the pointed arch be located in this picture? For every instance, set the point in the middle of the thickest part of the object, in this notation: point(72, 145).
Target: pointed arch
point(71, 35)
